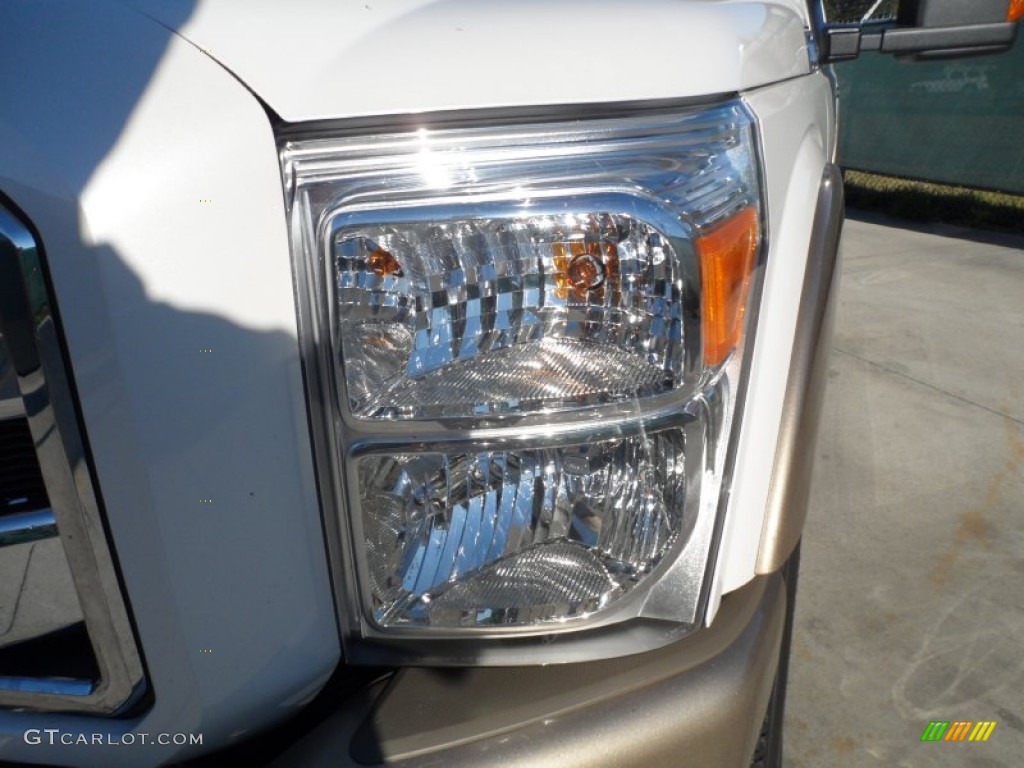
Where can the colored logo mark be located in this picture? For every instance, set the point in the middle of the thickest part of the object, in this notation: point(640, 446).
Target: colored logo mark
point(958, 730)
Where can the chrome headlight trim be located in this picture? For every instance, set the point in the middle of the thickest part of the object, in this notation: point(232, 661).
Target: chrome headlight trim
point(639, 622)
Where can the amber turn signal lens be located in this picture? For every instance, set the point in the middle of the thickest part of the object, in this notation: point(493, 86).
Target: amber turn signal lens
point(726, 261)
point(583, 268)
point(383, 263)
point(1016, 10)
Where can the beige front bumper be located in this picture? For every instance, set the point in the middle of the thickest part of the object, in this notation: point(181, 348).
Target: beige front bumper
point(697, 702)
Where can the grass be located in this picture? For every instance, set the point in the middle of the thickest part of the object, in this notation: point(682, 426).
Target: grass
point(930, 202)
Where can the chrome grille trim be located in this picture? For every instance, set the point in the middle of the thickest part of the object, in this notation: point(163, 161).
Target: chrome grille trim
point(34, 386)
point(25, 527)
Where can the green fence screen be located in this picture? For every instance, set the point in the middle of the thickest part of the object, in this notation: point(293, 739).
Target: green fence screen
point(958, 122)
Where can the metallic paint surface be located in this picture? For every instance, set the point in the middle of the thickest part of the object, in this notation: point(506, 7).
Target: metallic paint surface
point(313, 60)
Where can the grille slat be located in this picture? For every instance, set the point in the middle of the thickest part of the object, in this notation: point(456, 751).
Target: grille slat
point(21, 481)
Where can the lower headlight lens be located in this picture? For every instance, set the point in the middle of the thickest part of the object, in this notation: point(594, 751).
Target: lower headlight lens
point(518, 537)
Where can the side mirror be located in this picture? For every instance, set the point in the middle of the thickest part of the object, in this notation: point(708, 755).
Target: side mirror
point(927, 29)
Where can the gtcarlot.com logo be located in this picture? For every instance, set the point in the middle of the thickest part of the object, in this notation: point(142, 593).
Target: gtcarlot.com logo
point(54, 736)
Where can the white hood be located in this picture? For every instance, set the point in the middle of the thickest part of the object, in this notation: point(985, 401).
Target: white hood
point(311, 59)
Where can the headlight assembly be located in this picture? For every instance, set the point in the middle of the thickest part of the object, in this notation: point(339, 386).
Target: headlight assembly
point(523, 350)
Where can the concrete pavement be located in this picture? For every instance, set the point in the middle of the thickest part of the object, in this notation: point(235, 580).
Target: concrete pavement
point(911, 602)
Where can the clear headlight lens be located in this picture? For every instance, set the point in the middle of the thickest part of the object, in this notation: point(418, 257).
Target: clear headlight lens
point(518, 537)
point(525, 341)
point(506, 314)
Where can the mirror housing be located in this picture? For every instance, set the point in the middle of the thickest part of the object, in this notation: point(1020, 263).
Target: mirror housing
point(951, 13)
point(928, 29)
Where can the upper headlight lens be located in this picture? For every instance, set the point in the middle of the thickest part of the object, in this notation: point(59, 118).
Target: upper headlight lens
point(471, 276)
point(498, 314)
